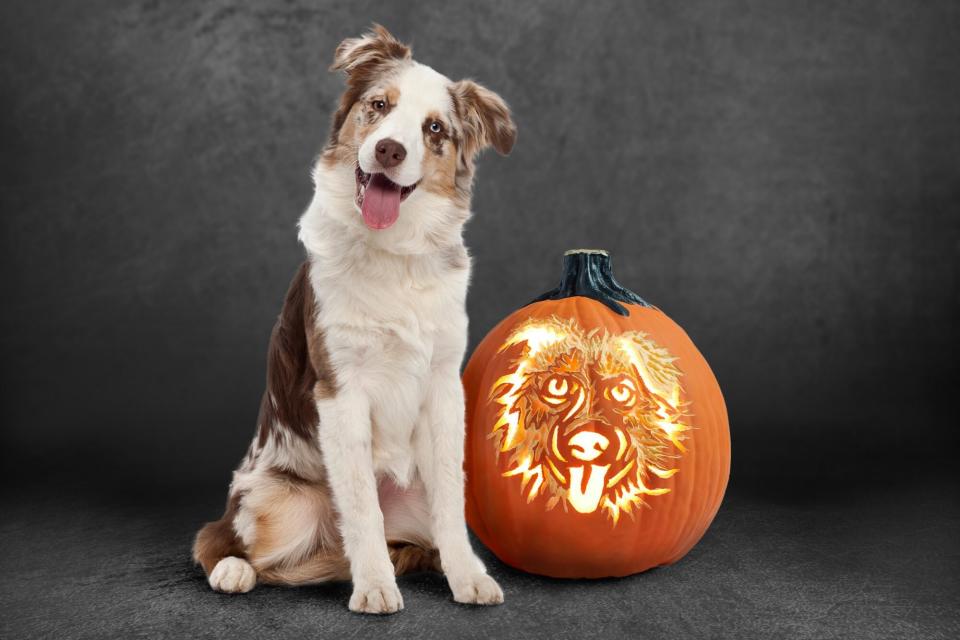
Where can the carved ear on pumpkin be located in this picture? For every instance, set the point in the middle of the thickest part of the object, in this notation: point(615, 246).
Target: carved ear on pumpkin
point(538, 335)
point(654, 365)
point(534, 337)
point(485, 119)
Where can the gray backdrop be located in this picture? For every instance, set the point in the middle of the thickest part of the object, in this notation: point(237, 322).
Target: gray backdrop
point(782, 178)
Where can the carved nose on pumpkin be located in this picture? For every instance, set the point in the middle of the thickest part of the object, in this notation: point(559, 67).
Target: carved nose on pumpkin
point(588, 445)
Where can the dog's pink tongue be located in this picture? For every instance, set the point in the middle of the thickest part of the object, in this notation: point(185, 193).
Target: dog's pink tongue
point(381, 202)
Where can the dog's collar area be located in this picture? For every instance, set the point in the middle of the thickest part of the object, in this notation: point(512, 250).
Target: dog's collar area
point(588, 273)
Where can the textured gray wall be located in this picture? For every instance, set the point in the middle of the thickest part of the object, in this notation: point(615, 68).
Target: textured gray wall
point(780, 177)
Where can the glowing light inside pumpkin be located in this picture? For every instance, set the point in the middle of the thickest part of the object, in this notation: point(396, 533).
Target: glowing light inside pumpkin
point(551, 403)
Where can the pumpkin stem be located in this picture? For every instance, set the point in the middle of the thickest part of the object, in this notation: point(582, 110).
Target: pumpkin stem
point(587, 273)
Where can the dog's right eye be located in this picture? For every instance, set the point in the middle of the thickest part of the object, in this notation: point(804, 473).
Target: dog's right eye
point(558, 389)
point(378, 105)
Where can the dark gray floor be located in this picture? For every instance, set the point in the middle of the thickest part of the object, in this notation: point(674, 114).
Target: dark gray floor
point(884, 566)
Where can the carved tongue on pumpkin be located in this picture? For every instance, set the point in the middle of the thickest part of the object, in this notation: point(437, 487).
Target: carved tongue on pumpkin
point(381, 202)
point(585, 497)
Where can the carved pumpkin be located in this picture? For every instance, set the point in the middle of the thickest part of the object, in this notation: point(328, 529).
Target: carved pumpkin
point(597, 436)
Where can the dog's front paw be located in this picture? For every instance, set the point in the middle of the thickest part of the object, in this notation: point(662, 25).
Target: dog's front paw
point(232, 575)
point(376, 598)
point(477, 588)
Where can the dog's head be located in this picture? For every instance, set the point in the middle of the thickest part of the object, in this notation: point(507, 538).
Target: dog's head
point(406, 137)
point(591, 419)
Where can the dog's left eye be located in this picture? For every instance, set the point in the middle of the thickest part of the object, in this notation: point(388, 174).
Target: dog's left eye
point(623, 392)
point(436, 127)
point(379, 105)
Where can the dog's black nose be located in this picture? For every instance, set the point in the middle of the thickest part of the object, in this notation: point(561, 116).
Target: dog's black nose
point(390, 153)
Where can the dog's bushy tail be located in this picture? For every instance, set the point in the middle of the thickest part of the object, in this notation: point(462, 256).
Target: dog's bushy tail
point(321, 567)
point(411, 558)
point(328, 567)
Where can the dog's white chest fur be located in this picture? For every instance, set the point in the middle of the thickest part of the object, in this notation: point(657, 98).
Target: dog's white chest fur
point(388, 319)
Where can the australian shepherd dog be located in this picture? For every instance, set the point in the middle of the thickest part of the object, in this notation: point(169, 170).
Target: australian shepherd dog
point(356, 468)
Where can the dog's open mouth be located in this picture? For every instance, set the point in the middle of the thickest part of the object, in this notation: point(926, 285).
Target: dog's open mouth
point(379, 198)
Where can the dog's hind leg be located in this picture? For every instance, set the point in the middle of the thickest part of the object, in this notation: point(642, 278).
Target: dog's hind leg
point(219, 550)
point(281, 529)
point(278, 527)
point(295, 541)
point(288, 525)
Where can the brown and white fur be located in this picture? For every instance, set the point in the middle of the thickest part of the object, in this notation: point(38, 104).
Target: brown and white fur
point(356, 468)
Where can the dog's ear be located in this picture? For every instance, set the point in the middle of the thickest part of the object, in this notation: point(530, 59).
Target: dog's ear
point(361, 56)
point(485, 119)
point(362, 59)
point(654, 365)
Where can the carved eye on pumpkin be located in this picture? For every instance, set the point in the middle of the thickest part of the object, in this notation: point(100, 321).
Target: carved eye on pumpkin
point(622, 391)
point(558, 389)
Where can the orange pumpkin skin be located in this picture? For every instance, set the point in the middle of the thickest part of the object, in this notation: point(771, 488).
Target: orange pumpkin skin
point(658, 528)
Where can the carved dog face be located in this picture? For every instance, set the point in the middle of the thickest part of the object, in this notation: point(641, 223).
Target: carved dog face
point(589, 418)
